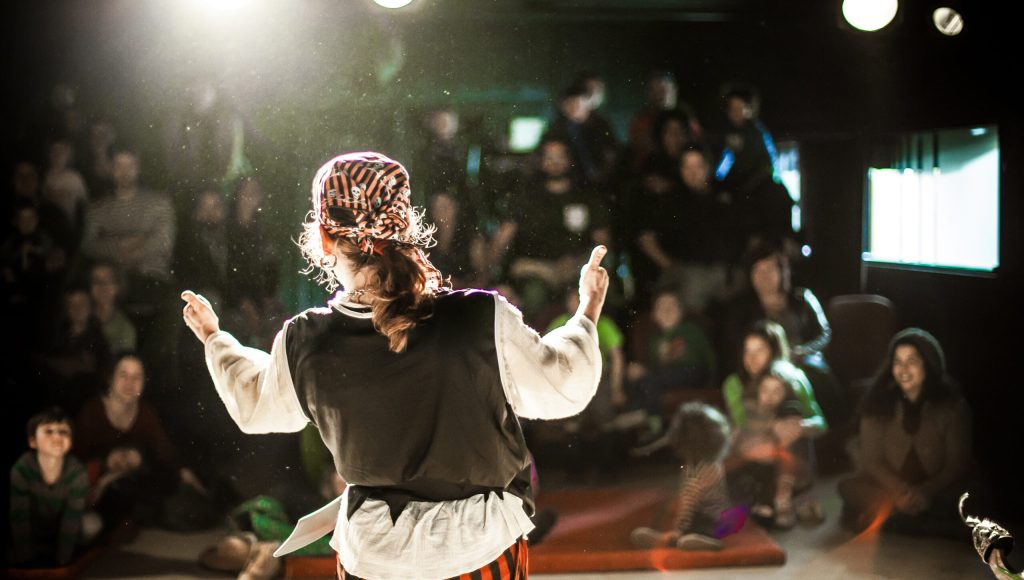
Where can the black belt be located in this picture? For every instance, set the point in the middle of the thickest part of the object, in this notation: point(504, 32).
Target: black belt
point(397, 498)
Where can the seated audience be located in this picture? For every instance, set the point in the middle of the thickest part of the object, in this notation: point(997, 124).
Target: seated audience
point(253, 252)
point(557, 222)
point(699, 438)
point(201, 258)
point(747, 165)
point(73, 354)
point(592, 146)
point(27, 190)
point(48, 495)
point(133, 462)
point(682, 234)
point(915, 443)
point(31, 261)
point(133, 229)
point(662, 94)
point(788, 460)
point(678, 356)
point(64, 186)
point(590, 426)
point(773, 435)
point(104, 289)
point(772, 296)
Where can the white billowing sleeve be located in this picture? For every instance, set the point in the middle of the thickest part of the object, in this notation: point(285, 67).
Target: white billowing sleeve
point(256, 387)
point(547, 377)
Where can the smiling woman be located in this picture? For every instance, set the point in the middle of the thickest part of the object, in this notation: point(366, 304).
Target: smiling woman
point(915, 441)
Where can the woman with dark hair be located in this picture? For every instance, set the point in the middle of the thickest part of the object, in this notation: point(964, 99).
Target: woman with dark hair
point(414, 387)
point(765, 348)
point(915, 442)
point(122, 441)
point(766, 481)
point(772, 296)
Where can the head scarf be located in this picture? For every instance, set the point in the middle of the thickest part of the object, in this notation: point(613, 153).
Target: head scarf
point(365, 197)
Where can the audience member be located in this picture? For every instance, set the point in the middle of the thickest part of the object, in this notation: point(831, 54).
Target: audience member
point(680, 234)
point(589, 429)
point(134, 229)
point(557, 220)
point(105, 289)
point(670, 136)
point(747, 165)
point(915, 443)
point(133, 462)
point(98, 165)
point(748, 151)
point(31, 261)
point(699, 437)
point(201, 258)
point(772, 296)
point(678, 356)
point(48, 495)
point(253, 252)
point(64, 186)
point(591, 143)
point(757, 470)
point(662, 95)
point(73, 354)
point(27, 190)
point(773, 450)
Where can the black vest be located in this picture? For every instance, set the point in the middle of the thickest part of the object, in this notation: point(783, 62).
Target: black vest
point(431, 423)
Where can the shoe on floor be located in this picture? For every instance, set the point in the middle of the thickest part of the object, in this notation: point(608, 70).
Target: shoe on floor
point(262, 564)
point(699, 542)
point(645, 538)
point(229, 554)
point(810, 513)
point(785, 517)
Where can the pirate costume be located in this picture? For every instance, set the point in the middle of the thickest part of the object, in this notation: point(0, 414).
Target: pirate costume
point(427, 438)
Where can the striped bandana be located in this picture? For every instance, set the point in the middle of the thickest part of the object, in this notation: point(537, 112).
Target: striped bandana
point(373, 191)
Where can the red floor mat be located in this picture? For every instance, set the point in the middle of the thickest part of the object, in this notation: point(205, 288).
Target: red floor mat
point(592, 535)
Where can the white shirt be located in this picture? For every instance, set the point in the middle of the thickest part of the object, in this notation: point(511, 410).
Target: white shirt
point(547, 377)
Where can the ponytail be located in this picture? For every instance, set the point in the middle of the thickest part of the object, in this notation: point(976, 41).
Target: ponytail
point(398, 285)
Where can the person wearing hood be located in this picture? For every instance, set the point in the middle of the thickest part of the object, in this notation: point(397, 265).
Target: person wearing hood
point(915, 443)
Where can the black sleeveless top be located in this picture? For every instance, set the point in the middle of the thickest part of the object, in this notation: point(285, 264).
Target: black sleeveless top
point(428, 424)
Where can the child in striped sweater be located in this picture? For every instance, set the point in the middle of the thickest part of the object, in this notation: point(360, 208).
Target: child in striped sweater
point(48, 494)
point(699, 436)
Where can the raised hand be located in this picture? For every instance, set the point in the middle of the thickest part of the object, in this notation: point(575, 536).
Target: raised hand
point(593, 285)
point(199, 315)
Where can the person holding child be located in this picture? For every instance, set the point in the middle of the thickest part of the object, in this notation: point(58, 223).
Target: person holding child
point(775, 415)
point(48, 495)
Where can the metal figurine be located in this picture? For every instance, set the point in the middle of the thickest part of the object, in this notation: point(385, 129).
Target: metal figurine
point(992, 541)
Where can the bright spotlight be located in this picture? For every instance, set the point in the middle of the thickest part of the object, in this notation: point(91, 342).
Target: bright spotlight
point(948, 21)
point(869, 15)
point(393, 3)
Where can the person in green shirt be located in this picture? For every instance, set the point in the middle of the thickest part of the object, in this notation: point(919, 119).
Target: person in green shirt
point(588, 431)
point(755, 477)
point(765, 345)
point(679, 355)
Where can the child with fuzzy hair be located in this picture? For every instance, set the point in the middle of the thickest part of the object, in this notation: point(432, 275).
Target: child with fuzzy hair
point(699, 437)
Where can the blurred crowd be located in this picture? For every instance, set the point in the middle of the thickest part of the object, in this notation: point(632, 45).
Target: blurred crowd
point(702, 310)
